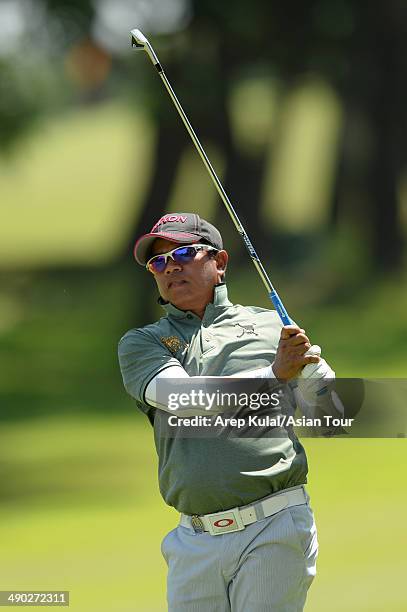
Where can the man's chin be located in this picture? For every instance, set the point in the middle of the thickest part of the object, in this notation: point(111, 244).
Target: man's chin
point(180, 301)
point(181, 298)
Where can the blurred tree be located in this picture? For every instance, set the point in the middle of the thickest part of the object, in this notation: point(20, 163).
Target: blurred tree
point(361, 52)
point(374, 93)
point(32, 72)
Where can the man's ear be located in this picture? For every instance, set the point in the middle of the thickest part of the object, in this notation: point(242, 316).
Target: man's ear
point(221, 262)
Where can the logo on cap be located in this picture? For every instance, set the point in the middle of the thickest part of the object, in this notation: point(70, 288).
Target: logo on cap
point(169, 219)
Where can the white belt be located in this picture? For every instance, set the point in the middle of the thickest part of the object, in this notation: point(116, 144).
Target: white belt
point(237, 519)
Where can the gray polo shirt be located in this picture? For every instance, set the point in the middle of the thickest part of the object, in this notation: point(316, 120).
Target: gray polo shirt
point(202, 475)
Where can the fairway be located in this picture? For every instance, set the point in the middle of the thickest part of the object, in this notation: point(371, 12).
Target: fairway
point(81, 512)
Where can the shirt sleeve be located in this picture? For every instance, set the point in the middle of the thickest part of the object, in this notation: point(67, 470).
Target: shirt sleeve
point(141, 358)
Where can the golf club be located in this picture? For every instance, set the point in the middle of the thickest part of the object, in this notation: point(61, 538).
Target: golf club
point(140, 42)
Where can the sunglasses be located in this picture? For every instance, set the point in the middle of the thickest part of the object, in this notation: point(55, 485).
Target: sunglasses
point(180, 255)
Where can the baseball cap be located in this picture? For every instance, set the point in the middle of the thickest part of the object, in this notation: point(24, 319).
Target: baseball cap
point(185, 228)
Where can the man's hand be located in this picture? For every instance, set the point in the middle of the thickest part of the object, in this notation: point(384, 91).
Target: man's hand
point(290, 357)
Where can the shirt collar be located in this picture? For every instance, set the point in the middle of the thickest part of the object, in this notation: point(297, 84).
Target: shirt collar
point(220, 299)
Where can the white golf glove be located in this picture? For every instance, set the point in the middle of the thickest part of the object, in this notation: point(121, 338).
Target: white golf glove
point(313, 374)
point(313, 390)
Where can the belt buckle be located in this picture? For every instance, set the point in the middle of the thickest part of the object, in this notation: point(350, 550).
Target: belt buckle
point(197, 524)
point(224, 522)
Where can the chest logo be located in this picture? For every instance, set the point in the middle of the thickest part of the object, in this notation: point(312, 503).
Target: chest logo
point(246, 329)
point(173, 343)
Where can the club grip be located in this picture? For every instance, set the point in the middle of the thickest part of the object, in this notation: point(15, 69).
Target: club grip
point(279, 306)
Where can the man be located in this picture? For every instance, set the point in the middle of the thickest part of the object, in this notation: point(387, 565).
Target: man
point(246, 541)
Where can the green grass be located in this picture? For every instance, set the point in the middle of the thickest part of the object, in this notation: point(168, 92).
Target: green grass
point(79, 498)
point(70, 189)
point(80, 511)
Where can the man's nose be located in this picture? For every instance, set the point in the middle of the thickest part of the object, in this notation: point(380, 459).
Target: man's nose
point(172, 266)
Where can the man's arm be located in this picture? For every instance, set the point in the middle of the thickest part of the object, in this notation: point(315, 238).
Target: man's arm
point(155, 394)
point(146, 365)
point(289, 361)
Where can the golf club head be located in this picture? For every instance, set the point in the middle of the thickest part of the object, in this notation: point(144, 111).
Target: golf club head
point(138, 40)
point(140, 43)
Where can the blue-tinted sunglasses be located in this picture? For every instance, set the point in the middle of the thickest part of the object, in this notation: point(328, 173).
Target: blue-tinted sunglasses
point(181, 255)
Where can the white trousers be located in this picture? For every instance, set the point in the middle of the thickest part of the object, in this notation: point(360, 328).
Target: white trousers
point(268, 566)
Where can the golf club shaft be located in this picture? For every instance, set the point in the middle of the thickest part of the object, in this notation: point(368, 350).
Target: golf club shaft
point(273, 295)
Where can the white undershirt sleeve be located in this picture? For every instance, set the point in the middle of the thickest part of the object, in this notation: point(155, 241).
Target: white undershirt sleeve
point(151, 395)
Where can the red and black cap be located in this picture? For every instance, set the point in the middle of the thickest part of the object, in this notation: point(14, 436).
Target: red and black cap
point(185, 228)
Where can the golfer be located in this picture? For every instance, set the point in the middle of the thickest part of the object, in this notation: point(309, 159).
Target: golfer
point(247, 540)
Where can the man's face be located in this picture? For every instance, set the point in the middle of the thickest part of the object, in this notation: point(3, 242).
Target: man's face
point(189, 286)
